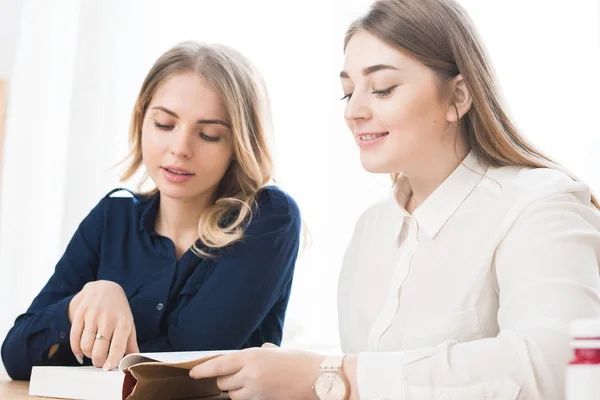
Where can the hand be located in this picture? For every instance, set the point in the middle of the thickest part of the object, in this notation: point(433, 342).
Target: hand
point(266, 373)
point(101, 307)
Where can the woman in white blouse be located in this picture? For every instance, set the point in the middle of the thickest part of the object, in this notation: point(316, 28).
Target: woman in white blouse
point(462, 283)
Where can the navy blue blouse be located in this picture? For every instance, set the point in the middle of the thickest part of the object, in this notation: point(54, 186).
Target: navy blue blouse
point(236, 300)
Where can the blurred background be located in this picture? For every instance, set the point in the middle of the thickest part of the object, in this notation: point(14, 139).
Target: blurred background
point(70, 71)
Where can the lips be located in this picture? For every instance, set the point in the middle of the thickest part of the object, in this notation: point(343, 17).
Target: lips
point(370, 140)
point(371, 136)
point(177, 171)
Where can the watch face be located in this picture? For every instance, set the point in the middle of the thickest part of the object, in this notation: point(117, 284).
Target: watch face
point(330, 386)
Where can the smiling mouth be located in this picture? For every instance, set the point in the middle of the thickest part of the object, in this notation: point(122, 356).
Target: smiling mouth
point(372, 136)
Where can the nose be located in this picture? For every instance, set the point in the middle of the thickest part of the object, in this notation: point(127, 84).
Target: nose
point(181, 145)
point(358, 107)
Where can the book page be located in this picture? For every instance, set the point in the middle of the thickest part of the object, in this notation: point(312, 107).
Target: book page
point(168, 357)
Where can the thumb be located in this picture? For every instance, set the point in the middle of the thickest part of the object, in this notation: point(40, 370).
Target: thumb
point(269, 345)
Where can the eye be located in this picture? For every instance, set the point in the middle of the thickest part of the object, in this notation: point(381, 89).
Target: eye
point(163, 127)
point(209, 138)
point(384, 92)
point(347, 97)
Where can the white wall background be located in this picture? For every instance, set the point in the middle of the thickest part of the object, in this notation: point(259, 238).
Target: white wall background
point(78, 65)
point(10, 21)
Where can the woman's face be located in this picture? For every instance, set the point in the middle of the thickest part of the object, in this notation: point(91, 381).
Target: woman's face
point(187, 143)
point(394, 107)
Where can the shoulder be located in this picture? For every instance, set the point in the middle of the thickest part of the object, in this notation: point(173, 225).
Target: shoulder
point(120, 203)
point(523, 186)
point(274, 213)
point(121, 198)
point(272, 200)
point(543, 201)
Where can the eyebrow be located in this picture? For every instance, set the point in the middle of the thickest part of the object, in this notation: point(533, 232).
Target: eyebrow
point(200, 121)
point(369, 70)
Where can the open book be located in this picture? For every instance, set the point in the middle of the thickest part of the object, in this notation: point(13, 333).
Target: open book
point(157, 376)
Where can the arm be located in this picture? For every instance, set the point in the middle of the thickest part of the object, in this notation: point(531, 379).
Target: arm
point(248, 280)
point(547, 272)
point(46, 322)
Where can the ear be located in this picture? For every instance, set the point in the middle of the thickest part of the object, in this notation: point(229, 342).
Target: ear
point(461, 99)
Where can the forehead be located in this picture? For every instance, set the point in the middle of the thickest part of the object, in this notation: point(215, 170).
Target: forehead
point(191, 93)
point(364, 50)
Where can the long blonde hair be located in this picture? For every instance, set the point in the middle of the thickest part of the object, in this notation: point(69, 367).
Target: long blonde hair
point(441, 35)
point(244, 96)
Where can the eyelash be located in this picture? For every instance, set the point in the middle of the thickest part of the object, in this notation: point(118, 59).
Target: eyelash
point(163, 127)
point(379, 93)
point(385, 92)
point(202, 135)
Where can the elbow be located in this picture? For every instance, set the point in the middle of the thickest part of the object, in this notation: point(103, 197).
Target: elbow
point(18, 373)
point(15, 358)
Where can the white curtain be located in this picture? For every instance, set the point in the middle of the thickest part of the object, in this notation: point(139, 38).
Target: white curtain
point(80, 64)
point(60, 139)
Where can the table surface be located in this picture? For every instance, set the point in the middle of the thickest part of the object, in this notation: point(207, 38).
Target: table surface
point(15, 390)
point(18, 390)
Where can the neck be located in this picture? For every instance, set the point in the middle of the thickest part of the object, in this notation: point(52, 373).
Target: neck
point(178, 219)
point(426, 178)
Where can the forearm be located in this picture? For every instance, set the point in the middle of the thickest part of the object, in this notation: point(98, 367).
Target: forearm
point(29, 341)
point(513, 365)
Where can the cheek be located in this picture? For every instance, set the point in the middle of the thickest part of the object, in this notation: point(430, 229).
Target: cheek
point(413, 111)
point(153, 142)
point(147, 147)
point(213, 158)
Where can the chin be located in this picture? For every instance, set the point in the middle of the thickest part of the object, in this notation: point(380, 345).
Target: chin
point(375, 166)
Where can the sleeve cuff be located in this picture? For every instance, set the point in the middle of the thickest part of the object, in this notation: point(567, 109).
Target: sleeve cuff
point(60, 327)
point(380, 375)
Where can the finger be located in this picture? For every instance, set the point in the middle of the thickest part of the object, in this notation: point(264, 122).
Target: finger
point(269, 345)
point(226, 364)
point(132, 344)
point(75, 336)
point(102, 343)
point(230, 382)
point(241, 394)
point(118, 345)
point(88, 336)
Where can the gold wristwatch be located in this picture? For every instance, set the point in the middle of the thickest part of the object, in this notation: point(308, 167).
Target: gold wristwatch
point(331, 384)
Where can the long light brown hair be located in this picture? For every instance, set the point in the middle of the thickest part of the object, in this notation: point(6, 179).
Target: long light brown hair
point(441, 35)
point(244, 96)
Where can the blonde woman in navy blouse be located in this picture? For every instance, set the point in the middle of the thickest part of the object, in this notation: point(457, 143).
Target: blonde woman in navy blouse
point(205, 261)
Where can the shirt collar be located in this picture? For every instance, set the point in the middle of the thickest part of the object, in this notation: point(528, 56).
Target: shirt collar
point(149, 213)
point(437, 209)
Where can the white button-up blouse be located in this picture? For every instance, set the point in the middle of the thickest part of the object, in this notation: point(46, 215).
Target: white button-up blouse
point(470, 296)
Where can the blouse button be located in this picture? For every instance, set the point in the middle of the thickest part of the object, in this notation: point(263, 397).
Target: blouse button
point(63, 335)
point(160, 306)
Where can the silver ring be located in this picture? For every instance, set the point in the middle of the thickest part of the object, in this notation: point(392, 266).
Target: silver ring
point(89, 330)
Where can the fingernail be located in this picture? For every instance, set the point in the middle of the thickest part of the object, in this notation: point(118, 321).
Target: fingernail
point(192, 375)
point(79, 358)
point(107, 367)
